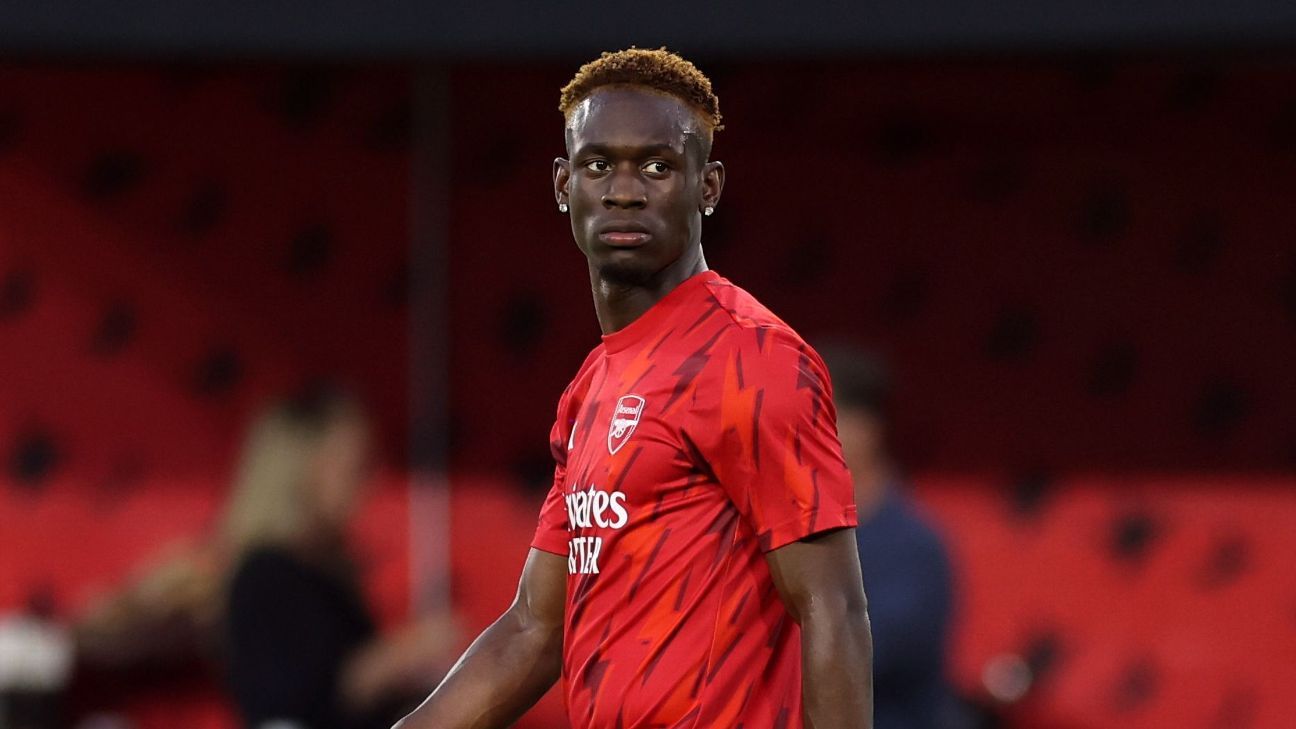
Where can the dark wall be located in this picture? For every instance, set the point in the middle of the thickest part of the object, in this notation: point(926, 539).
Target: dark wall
point(517, 27)
point(179, 245)
point(1072, 264)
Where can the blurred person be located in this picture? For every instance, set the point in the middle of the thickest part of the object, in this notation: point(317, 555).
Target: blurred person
point(279, 554)
point(302, 650)
point(694, 563)
point(906, 569)
point(168, 615)
point(156, 636)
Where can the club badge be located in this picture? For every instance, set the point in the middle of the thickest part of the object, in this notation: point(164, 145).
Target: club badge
point(625, 417)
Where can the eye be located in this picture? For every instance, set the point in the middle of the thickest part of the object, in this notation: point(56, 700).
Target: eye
point(598, 165)
point(656, 168)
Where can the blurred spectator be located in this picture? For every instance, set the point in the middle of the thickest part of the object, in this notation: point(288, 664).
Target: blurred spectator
point(302, 648)
point(906, 570)
point(167, 616)
point(274, 594)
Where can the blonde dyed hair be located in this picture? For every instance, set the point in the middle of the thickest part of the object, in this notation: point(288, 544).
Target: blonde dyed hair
point(270, 500)
point(657, 69)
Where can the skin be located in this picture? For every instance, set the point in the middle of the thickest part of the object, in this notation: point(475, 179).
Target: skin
point(511, 664)
point(637, 161)
point(820, 583)
point(339, 471)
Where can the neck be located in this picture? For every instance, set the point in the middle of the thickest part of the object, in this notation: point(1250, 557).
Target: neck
point(617, 304)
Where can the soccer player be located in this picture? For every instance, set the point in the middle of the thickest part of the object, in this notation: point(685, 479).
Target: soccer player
point(695, 563)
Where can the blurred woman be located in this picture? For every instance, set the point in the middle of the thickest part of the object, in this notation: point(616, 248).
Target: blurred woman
point(272, 597)
point(301, 646)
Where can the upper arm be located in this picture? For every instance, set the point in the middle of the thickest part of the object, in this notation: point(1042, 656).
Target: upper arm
point(542, 592)
point(767, 430)
point(818, 579)
point(551, 528)
point(818, 573)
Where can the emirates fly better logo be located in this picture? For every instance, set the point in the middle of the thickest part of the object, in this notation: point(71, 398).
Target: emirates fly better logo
point(625, 417)
point(587, 509)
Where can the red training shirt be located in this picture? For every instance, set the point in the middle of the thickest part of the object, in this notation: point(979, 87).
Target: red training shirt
point(690, 443)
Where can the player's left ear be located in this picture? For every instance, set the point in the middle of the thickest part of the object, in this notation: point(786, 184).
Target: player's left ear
point(713, 178)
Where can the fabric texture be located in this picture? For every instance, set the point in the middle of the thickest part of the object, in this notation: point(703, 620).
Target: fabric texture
point(690, 443)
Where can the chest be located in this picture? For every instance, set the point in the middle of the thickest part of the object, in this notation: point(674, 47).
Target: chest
point(629, 436)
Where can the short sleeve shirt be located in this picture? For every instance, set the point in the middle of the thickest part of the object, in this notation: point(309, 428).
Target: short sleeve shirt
point(690, 443)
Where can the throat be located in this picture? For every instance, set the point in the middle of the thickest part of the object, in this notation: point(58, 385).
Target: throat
point(618, 303)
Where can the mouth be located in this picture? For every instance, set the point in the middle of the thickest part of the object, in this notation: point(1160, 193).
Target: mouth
point(624, 235)
point(624, 239)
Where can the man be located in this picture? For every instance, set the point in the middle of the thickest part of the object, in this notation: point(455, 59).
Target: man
point(694, 565)
point(906, 570)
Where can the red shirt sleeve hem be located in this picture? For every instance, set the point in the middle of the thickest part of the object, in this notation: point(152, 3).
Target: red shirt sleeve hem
point(795, 530)
point(554, 544)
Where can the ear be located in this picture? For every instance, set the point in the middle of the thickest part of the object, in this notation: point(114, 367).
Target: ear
point(713, 179)
point(562, 176)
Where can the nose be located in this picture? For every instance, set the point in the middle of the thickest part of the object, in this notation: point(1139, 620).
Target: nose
point(625, 189)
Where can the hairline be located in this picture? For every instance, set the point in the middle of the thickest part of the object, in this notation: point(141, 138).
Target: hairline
point(704, 132)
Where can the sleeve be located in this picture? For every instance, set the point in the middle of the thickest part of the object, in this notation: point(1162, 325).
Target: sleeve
point(551, 532)
point(767, 428)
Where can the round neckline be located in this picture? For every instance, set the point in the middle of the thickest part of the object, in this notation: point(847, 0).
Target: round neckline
point(649, 320)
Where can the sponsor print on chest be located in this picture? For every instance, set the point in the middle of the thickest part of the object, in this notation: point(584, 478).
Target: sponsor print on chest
point(589, 506)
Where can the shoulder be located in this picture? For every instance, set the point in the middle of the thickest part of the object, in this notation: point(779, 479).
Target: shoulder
point(581, 379)
point(744, 310)
point(752, 353)
point(267, 569)
point(269, 559)
point(751, 327)
point(572, 394)
point(594, 355)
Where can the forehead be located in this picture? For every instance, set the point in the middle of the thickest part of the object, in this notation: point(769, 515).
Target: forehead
point(632, 117)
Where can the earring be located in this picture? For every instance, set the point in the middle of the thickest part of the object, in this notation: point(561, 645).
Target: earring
point(562, 207)
point(708, 210)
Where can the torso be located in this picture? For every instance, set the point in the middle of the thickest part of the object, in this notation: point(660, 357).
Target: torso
point(676, 473)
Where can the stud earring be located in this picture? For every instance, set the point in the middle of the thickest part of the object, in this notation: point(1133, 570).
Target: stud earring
point(562, 207)
point(708, 210)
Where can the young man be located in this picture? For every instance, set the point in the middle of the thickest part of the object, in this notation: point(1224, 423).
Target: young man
point(695, 563)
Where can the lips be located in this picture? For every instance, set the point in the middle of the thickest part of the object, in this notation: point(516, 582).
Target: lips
point(624, 239)
point(624, 235)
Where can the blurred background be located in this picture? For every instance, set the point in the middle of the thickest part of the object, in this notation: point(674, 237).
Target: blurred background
point(314, 245)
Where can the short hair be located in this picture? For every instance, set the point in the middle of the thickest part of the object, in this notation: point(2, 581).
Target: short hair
point(656, 69)
point(861, 379)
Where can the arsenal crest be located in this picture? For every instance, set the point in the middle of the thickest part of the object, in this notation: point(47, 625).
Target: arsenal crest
point(625, 417)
